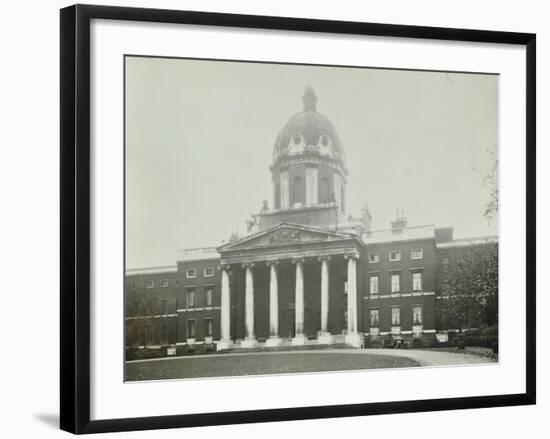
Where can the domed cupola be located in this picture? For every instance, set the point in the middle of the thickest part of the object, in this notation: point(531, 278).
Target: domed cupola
point(308, 160)
point(308, 131)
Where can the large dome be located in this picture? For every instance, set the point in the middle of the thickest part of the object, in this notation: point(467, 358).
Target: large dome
point(308, 131)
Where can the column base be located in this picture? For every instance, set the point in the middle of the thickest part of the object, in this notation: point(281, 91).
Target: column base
point(353, 339)
point(325, 338)
point(299, 340)
point(249, 342)
point(273, 342)
point(223, 345)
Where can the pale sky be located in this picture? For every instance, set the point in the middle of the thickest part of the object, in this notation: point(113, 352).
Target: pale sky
point(200, 135)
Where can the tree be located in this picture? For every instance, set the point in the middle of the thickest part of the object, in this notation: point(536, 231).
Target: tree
point(469, 284)
point(140, 304)
point(491, 183)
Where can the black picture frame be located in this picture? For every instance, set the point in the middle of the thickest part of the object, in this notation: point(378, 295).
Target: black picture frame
point(76, 210)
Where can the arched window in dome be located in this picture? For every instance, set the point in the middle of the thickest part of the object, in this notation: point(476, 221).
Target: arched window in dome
point(324, 190)
point(296, 143)
point(325, 144)
point(298, 191)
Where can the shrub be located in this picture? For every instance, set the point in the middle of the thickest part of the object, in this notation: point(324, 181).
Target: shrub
point(375, 344)
point(417, 343)
point(484, 341)
point(494, 347)
point(143, 354)
point(452, 340)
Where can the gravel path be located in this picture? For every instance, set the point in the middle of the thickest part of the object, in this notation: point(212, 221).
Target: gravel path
point(433, 358)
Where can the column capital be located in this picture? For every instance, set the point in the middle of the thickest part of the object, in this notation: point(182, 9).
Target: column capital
point(297, 260)
point(225, 267)
point(248, 265)
point(352, 254)
point(270, 263)
point(324, 258)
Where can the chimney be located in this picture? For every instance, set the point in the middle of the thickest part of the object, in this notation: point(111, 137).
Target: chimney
point(400, 222)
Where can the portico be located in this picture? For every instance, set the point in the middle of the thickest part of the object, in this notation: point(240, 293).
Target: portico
point(290, 284)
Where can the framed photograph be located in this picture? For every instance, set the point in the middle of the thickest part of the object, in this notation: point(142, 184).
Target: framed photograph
point(275, 218)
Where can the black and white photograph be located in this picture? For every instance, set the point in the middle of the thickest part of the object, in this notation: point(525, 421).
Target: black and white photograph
point(275, 219)
point(294, 218)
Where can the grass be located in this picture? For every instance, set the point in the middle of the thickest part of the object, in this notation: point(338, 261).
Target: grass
point(258, 364)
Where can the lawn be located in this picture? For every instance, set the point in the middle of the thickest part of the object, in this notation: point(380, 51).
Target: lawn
point(258, 364)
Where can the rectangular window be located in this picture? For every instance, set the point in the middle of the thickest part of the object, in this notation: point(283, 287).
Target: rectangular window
point(149, 336)
point(134, 285)
point(156, 335)
point(164, 283)
point(396, 316)
point(374, 258)
point(164, 307)
point(374, 284)
point(417, 315)
point(444, 260)
point(191, 273)
point(209, 292)
point(190, 328)
point(176, 282)
point(191, 298)
point(374, 318)
point(209, 327)
point(417, 281)
point(416, 253)
point(150, 283)
point(164, 335)
point(133, 336)
point(395, 283)
point(395, 255)
point(208, 272)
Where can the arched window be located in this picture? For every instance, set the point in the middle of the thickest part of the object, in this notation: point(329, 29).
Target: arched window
point(324, 193)
point(298, 190)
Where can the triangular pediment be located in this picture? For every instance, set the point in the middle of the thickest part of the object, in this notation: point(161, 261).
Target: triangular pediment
point(284, 234)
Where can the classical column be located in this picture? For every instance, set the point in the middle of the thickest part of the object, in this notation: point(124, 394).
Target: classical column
point(324, 337)
point(299, 337)
point(352, 337)
point(250, 339)
point(225, 336)
point(273, 339)
point(284, 189)
point(337, 181)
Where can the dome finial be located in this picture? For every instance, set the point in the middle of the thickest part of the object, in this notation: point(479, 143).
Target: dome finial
point(310, 99)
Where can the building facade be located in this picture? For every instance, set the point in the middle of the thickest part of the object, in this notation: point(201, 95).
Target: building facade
point(306, 272)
